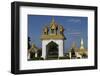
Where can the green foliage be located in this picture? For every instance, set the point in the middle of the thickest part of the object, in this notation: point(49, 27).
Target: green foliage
point(29, 45)
point(37, 58)
point(84, 56)
point(39, 52)
point(52, 57)
point(65, 57)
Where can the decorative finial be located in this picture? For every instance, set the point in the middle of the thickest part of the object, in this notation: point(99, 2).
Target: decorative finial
point(45, 30)
point(61, 29)
point(53, 19)
point(82, 44)
point(73, 45)
point(81, 41)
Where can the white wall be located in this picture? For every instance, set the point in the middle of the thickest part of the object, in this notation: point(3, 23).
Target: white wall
point(5, 22)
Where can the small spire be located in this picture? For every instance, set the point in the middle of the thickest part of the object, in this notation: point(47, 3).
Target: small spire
point(82, 41)
point(53, 19)
point(73, 45)
point(82, 44)
point(33, 45)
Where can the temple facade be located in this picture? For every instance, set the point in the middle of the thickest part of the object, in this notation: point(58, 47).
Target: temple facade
point(53, 40)
point(76, 52)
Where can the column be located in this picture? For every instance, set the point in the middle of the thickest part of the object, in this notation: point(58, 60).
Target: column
point(28, 55)
point(61, 48)
point(43, 49)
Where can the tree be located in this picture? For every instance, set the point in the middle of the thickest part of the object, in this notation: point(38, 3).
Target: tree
point(73, 52)
point(84, 55)
point(29, 45)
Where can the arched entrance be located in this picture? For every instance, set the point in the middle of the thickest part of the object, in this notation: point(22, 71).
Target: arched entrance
point(52, 50)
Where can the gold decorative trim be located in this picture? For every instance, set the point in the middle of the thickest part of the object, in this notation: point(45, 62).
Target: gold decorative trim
point(46, 37)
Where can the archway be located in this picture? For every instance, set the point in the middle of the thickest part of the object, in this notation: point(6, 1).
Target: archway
point(52, 50)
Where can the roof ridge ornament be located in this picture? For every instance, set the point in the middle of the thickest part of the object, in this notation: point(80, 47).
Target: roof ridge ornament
point(53, 20)
point(53, 31)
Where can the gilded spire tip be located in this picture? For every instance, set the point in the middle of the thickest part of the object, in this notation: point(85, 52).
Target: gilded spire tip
point(53, 19)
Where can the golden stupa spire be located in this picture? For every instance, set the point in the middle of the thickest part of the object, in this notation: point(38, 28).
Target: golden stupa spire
point(52, 24)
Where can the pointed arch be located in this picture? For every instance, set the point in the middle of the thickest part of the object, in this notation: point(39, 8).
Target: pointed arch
point(52, 50)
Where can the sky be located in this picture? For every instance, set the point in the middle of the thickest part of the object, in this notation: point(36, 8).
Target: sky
point(75, 28)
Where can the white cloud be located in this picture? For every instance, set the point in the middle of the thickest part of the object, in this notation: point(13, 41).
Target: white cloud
point(74, 20)
point(74, 33)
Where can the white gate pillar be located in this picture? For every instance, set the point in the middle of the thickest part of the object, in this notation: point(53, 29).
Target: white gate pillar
point(44, 49)
point(61, 54)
